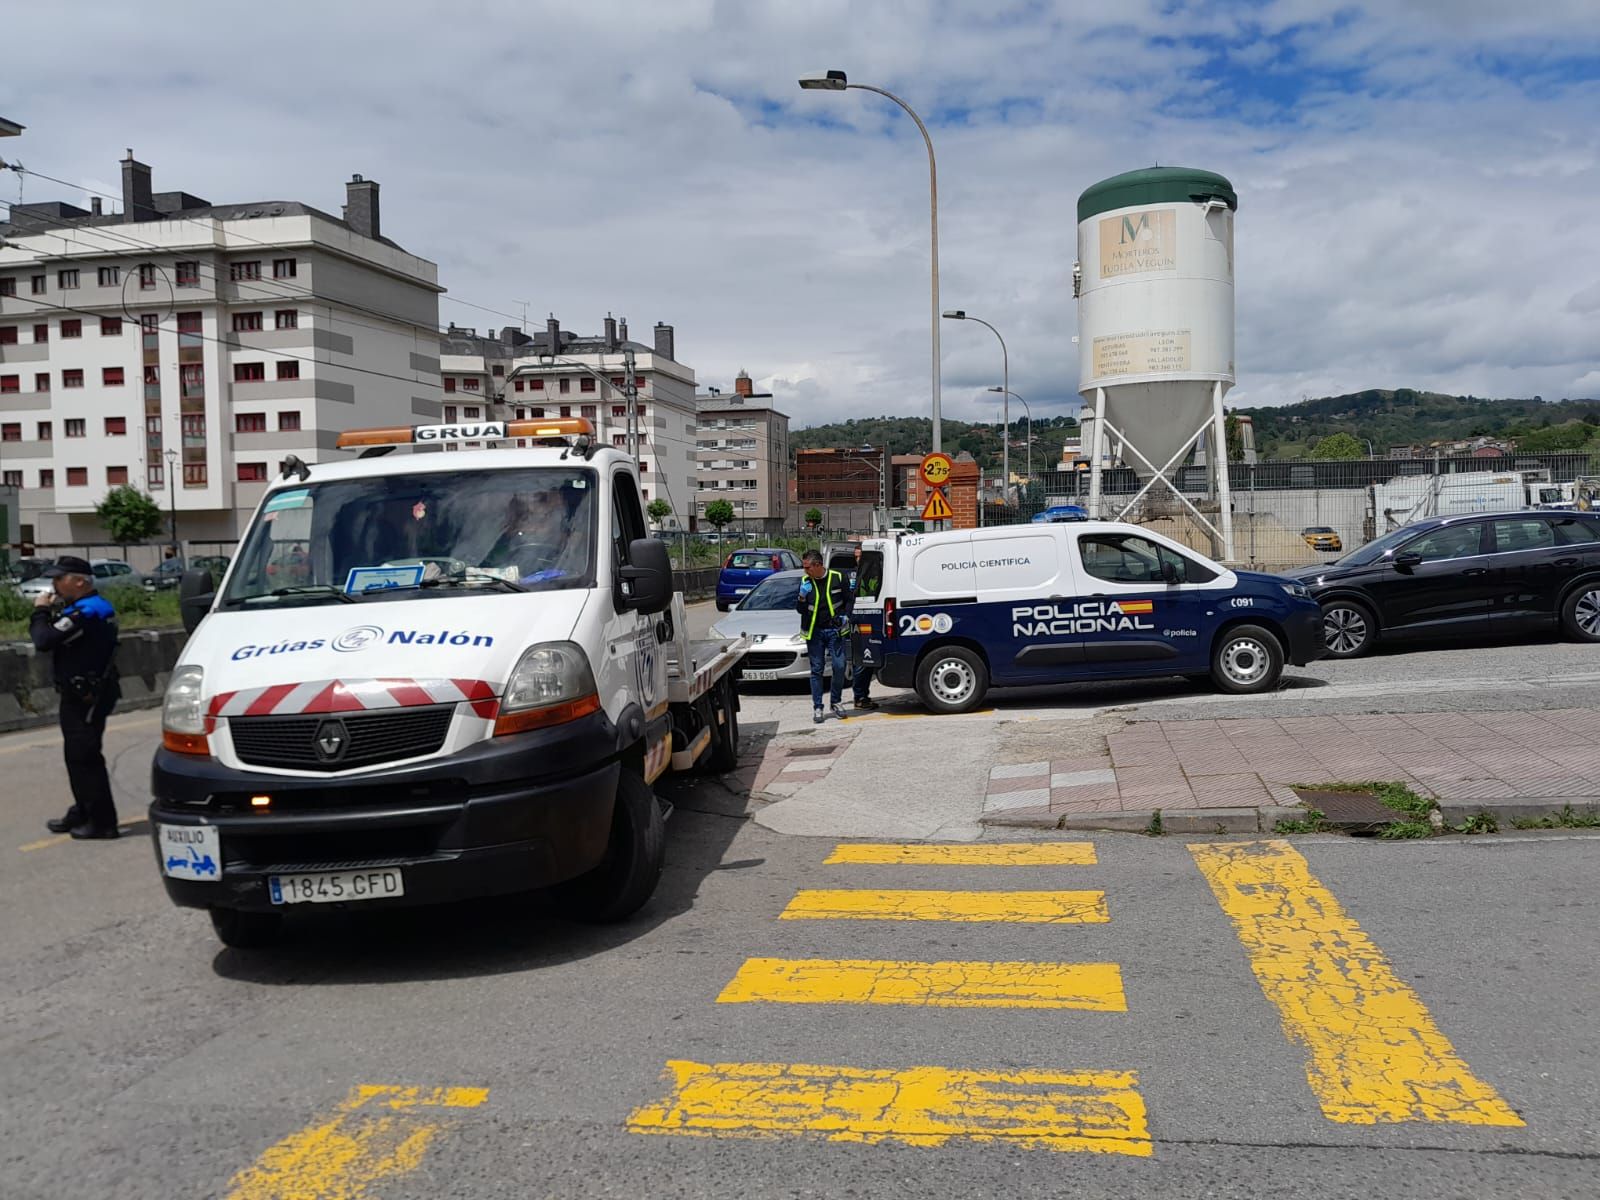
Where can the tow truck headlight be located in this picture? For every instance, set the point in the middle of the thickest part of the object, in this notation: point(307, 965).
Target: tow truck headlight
point(183, 714)
point(550, 685)
point(1297, 590)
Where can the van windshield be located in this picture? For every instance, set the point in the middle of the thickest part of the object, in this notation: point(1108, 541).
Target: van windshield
point(406, 537)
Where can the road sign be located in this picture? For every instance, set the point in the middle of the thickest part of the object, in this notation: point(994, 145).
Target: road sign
point(937, 508)
point(936, 469)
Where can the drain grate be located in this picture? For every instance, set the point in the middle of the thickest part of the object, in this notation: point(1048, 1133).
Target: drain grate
point(808, 751)
point(1352, 812)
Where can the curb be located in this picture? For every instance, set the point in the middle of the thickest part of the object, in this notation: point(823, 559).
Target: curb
point(1522, 807)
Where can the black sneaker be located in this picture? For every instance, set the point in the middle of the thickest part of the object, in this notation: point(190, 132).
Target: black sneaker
point(816, 716)
point(838, 711)
point(64, 824)
point(865, 702)
point(90, 833)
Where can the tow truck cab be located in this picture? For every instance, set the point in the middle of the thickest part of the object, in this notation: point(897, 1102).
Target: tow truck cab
point(953, 614)
point(430, 677)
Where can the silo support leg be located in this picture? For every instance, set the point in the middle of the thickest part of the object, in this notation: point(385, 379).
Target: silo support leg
point(1097, 446)
point(1129, 448)
point(1219, 464)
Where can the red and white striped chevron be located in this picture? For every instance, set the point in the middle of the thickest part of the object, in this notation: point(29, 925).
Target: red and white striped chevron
point(354, 695)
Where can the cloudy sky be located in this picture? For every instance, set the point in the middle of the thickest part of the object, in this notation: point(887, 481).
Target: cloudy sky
point(1418, 179)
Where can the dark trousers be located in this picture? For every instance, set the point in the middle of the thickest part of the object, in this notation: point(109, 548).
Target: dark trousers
point(827, 653)
point(861, 684)
point(83, 730)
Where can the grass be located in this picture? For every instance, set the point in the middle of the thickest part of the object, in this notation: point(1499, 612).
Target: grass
point(1480, 823)
point(136, 609)
point(1155, 828)
point(1567, 818)
point(1315, 821)
point(1414, 820)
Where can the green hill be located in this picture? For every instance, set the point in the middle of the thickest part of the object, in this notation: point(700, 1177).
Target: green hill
point(914, 435)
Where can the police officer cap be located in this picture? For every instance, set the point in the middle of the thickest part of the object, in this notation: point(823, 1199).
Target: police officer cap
point(68, 564)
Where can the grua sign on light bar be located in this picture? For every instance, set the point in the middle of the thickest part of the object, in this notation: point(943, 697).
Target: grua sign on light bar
point(462, 431)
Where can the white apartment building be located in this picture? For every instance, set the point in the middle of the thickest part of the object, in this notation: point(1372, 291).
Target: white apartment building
point(211, 340)
point(743, 450)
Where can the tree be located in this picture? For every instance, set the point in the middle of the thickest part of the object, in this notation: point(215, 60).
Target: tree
point(719, 513)
point(129, 515)
point(1339, 445)
point(1574, 435)
point(813, 517)
point(659, 510)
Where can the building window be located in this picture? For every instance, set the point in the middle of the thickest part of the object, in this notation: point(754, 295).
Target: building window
point(73, 427)
point(619, 410)
point(449, 414)
point(36, 283)
point(287, 318)
point(44, 432)
point(249, 372)
point(497, 371)
point(516, 383)
point(116, 476)
point(536, 413)
point(536, 385)
point(449, 383)
point(10, 384)
point(619, 439)
point(147, 276)
point(11, 431)
point(289, 422)
point(67, 280)
point(469, 385)
point(194, 426)
point(41, 333)
point(77, 476)
point(116, 426)
point(150, 323)
point(194, 474)
point(249, 322)
point(47, 478)
point(250, 422)
point(12, 479)
point(155, 475)
point(110, 276)
point(566, 386)
point(111, 377)
point(110, 326)
point(252, 472)
point(188, 274)
point(640, 381)
point(586, 385)
point(588, 411)
point(566, 410)
point(72, 329)
point(8, 337)
point(283, 268)
point(617, 381)
point(72, 379)
point(289, 369)
point(152, 425)
point(471, 413)
point(8, 285)
point(193, 376)
point(236, 272)
point(189, 322)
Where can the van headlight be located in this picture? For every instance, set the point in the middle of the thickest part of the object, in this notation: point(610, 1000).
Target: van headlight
point(550, 685)
point(183, 709)
point(1297, 590)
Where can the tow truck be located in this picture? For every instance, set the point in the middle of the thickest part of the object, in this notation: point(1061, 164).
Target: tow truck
point(435, 676)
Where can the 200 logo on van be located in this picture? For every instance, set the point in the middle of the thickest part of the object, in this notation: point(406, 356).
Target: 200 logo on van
point(922, 624)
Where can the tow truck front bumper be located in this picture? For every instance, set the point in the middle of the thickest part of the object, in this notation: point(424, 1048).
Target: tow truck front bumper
point(505, 815)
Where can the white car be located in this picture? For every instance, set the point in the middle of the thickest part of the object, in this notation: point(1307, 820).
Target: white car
point(109, 573)
point(769, 617)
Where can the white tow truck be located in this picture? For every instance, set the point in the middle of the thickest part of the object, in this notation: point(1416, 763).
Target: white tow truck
point(432, 676)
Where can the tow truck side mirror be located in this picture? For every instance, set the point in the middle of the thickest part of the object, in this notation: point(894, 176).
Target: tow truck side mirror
point(196, 591)
point(645, 581)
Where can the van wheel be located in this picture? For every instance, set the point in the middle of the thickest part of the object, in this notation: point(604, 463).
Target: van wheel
point(1580, 613)
point(625, 878)
point(246, 930)
point(952, 679)
point(1349, 629)
point(722, 606)
point(1246, 659)
point(724, 755)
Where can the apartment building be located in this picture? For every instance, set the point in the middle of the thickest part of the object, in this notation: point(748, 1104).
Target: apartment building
point(187, 348)
point(557, 373)
point(743, 446)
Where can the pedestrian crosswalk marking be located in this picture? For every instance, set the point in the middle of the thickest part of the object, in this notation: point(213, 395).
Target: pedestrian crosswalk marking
point(966, 854)
point(1374, 1054)
point(838, 904)
point(1096, 987)
point(1095, 1111)
point(377, 1133)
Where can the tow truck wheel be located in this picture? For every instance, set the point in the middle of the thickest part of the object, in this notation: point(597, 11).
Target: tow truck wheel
point(1247, 659)
point(952, 679)
point(631, 868)
point(246, 930)
point(724, 755)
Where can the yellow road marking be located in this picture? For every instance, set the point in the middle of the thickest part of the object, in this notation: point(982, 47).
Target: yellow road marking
point(53, 840)
point(900, 905)
point(919, 716)
point(1097, 1111)
point(970, 854)
point(377, 1133)
point(1374, 1053)
point(1093, 986)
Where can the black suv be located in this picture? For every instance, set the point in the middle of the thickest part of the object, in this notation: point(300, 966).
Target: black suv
point(1474, 575)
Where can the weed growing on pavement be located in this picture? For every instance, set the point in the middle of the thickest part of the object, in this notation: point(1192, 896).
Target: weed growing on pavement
point(1415, 811)
point(1398, 830)
point(1567, 818)
point(1480, 823)
point(1315, 821)
point(1154, 829)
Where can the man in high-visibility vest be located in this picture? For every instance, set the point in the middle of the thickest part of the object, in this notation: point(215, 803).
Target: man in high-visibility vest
point(824, 607)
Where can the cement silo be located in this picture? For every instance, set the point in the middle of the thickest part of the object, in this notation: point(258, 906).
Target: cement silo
point(1154, 282)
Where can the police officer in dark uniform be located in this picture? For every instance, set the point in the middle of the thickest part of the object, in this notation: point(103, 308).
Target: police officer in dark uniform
point(81, 639)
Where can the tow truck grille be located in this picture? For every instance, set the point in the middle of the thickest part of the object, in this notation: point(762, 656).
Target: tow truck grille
point(300, 743)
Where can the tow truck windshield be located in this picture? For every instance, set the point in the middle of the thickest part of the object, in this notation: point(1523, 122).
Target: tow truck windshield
point(402, 537)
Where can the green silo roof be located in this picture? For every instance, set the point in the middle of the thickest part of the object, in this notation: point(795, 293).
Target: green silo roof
point(1155, 185)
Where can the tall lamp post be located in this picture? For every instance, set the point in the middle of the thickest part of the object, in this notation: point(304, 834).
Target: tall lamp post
point(172, 496)
point(1027, 408)
point(836, 81)
point(957, 314)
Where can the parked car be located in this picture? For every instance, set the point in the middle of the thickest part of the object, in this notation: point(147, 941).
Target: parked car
point(768, 615)
point(1472, 575)
point(743, 569)
point(217, 564)
point(1060, 512)
point(166, 576)
point(109, 574)
point(1320, 537)
point(24, 569)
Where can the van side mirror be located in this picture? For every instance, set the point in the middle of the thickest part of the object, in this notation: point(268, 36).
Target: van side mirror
point(1169, 572)
point(644, 583)
point(196, 592)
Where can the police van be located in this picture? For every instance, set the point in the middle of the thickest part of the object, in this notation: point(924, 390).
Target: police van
point(953, 614)
point(432, 676)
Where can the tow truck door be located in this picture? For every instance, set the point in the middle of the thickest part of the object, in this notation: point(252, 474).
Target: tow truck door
point(633, 667)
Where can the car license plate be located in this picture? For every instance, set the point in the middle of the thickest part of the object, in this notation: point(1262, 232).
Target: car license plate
point(191, 852)
point(336, 887)
point(760, 675)
point(741, 591)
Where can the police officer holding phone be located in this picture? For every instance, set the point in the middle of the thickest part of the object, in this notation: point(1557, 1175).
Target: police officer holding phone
point(77, 627)
point(824, 607)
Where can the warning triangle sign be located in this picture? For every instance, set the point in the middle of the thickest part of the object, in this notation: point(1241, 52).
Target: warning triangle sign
point(937, 508)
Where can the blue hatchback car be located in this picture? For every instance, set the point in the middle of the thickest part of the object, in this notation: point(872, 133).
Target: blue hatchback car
point(743, 569)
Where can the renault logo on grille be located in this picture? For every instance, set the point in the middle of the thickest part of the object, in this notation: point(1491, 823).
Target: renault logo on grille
point(332, 741)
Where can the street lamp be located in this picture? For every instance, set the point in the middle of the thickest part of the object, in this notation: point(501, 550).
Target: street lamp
point(835, 81)
point(957, 314)
point(172, 497)
point(1027, 408)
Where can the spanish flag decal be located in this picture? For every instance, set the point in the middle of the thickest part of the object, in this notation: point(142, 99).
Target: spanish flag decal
point(1136, 607)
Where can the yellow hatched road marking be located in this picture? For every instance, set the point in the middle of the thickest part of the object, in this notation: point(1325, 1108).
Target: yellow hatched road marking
point(1096, 1111)
point(1059, 908)
point(1374, 1053)
point(968, 854)
point(377, 1133)
point(1093, 986)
